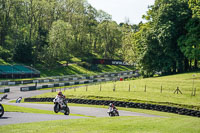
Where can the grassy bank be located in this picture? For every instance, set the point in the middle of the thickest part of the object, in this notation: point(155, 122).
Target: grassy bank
point(78, 69)
point(158, 90)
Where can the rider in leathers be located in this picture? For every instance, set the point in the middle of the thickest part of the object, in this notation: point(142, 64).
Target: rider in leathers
point(60, 98)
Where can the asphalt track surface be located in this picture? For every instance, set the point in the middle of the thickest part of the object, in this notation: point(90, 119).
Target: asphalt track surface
point(18, 117)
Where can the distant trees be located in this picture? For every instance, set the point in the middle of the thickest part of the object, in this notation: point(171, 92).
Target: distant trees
point(46, 31)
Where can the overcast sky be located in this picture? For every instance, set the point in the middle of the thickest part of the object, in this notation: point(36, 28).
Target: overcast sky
point(122, 9)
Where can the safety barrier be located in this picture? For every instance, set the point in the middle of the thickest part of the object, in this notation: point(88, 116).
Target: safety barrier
point(5, 90)
point(72, 78)
point(30, 88)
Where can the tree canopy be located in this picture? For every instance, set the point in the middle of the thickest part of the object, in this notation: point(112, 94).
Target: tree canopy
point(50, 31)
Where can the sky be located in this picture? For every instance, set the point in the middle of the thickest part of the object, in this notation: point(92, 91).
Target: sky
point(121, 10)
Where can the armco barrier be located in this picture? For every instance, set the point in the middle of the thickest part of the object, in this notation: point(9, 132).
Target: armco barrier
point(181, 111)
point(30, 88)
point(5, 90)
point(103, 75)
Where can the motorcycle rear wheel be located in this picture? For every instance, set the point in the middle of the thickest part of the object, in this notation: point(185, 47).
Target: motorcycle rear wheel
point(1, 110)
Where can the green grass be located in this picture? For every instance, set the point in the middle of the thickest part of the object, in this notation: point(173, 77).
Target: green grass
point(110, 125)
point(77, 69)
point(171, 123)
point(11, 108)
point(152, 95)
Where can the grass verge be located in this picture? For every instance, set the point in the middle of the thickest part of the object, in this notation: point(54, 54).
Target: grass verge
point(11, 108)
point(110, 125)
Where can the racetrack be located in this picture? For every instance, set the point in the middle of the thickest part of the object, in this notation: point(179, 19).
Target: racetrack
point(18, 117)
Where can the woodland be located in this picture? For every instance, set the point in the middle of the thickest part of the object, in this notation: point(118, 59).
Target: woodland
point(50, 31)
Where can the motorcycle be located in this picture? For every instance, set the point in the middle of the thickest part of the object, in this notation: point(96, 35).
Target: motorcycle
point(1, 106)
point(61, 106)
point(1, 110)
point(112, 112)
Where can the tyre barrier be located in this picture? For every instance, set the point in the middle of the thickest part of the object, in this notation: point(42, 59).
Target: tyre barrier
point(59, 79)
point(6, 90)
point(162, 108)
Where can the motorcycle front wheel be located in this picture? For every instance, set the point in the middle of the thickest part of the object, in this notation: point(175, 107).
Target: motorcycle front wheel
point(67, 111)
point(1, 110)
point(111, 114)
point(56, 108)
point(116, 113)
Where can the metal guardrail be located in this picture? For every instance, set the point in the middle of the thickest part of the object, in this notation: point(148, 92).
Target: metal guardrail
point(68, 78)
point(5, 90)
point(74, 82)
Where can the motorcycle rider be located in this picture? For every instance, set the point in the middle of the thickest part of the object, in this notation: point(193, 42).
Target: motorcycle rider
point(60, 97)
point(111, 105)
point(112, 110)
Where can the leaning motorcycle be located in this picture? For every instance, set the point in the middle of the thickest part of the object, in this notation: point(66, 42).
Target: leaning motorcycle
point(1, 106)
point(61, 106)
point(1, 110)
point(112, 112)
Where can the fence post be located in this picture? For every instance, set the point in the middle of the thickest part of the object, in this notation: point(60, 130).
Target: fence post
point(161, 89)
point(145, 88)
point(114, 88)
point(194, 91)
point(100, 87)
point(86, 87)
point(74, 89)
point(129, 89)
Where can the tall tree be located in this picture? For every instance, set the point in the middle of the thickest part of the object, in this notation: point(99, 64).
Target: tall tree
point(168, 19)
point(110, 35)
point(60, 38)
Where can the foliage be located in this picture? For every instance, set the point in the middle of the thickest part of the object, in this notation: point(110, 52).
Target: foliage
point(159, 38)
point(190, 42)
point(47, 32)
point(195, 6)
